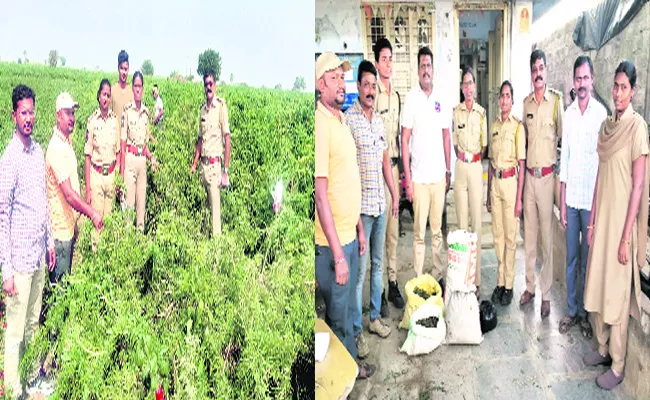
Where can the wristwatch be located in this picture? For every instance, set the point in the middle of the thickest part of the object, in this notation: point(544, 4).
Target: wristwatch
point(448, 172)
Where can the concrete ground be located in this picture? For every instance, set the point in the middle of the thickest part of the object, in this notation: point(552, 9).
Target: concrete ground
point(524, 357)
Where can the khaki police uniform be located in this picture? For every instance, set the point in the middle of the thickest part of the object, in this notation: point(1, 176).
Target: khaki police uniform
point(119, 98)
point(507, 147)
point(543, 123)
point(470, 137)
point(102, 145)
point(387, 105)
point(213, 128)
point(135, 130)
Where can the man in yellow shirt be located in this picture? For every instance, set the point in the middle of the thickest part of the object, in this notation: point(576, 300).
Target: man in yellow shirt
point(63, 187)
point(338, 205)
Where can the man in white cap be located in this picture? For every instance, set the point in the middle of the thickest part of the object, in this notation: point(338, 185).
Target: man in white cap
point(63, 187)
point(338, 229)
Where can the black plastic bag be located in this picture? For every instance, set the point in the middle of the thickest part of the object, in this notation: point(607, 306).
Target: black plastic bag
point(488, 315)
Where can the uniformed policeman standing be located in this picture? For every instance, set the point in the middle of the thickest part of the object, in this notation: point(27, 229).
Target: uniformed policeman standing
point(507, 153)
point(102, 152)
point(214, 135)
point(135, 150)
point(543, 111)
point(387, 104)
point(469, 140)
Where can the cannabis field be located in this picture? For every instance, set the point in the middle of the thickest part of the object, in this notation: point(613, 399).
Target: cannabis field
point(230, 317)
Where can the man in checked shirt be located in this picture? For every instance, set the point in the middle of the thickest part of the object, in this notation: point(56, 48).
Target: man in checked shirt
point(25, 233)
point(369, 135)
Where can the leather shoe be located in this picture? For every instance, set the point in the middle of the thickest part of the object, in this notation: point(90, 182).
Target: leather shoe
point(526, 297)
point(507, 297)
point(497, 294)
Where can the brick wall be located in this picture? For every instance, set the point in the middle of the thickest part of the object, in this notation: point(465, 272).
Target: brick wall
point(633, 44)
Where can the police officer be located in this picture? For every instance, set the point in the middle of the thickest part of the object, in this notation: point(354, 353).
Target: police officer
point(214, 135)
point(543, 111)
point(102, 152)
point(387, 104)
point(507, 153)
point(135, 150)
point(470, 140)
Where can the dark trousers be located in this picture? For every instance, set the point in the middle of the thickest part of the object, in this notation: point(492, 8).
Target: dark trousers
point(63, 260)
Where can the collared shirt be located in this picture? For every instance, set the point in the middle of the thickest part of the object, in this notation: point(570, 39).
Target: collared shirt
point(470, 128)
point(102, 138)
point(579, 159)
point(427, 117)
point(25, 230)
point(543, 123)
point(371, 143)
point(388, 107)
point(336, 160)
point(119, 98)
point(508, 143)
point(213, 127)
point(61, 164)
point(135, 125)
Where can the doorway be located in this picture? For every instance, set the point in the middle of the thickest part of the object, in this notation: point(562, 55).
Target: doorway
point(483, 44)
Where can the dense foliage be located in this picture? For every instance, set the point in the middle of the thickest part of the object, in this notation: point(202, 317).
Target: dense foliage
point(230, 317)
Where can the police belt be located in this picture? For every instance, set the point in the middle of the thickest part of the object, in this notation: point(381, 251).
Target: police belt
point(135, 150)
point(210, 160)
point(505, 173)
point(541, 172)
point(104, 169)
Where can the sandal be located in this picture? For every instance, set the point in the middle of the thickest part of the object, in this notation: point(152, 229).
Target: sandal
point(567, 323)
point(365, 370)
point(585, 328)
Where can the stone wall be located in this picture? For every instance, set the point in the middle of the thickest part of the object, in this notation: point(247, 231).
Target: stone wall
point(633, 44)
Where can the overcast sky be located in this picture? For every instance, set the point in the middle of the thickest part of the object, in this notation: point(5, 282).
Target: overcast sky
point(262, 42)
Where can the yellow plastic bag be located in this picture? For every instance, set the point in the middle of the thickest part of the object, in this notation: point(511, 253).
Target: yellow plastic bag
point(427, 283)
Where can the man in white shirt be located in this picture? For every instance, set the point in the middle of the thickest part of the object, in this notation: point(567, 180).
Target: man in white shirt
point(159, 112)
point(426, 122)
point(578, 171)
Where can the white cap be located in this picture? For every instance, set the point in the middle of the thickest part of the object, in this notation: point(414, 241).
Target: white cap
point(64, 100)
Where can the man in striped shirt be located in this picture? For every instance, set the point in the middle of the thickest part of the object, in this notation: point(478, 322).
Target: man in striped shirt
point(25, 233)
point(369, 135)
point(578, 170)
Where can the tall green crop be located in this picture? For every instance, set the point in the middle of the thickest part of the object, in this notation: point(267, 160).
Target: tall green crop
point(229, 317)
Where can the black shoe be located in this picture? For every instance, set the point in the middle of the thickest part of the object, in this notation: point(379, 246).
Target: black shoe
point(394, 295)
point(497, 295)
point(384, 306)
point(507, 297)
